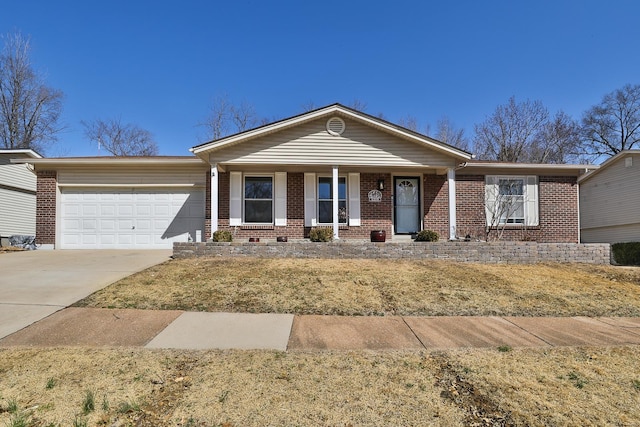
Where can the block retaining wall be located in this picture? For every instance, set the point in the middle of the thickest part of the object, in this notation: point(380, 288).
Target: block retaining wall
point(493, 252)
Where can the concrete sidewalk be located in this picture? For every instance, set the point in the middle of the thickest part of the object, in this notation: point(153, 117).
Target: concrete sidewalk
point(197, 330)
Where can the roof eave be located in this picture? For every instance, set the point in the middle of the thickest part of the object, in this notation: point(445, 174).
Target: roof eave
point(571, 169)
point(97, 161)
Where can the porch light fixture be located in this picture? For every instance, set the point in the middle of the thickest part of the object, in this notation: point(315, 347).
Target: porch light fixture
point(381, 184)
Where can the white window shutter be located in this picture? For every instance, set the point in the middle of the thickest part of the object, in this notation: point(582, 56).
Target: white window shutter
point(354, 199)
point(280, 198)
point(235, 198)
point(490, 199)
point(310, 217)
point(531, 201)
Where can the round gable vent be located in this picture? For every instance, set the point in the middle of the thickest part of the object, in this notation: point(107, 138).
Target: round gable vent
point(335, 126)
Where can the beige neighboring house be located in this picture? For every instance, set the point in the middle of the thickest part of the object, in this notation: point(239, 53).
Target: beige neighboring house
point(610, 200)
point(17, 195)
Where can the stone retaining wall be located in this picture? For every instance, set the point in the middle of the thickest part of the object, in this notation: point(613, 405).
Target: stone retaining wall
point(493, 252)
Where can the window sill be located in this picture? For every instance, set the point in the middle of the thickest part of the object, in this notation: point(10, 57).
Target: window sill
point(514, 226)
point(257, 227)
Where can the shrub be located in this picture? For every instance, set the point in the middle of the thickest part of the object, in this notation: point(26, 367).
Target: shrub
point(427, 236)
point(627, 253)
point(321, 234)
point(222, 236)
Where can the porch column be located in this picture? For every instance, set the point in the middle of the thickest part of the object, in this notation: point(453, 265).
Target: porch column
point(214, 198)
point(336, 220)
point(451, 178)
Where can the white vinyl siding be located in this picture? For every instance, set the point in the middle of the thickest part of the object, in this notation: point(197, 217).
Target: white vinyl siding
point(17, 176)
point(511, 200)
point(311, 144)
point(17, 198)
point(611, 198)
point(17, 213)
point(157, 176)
point(609, 203)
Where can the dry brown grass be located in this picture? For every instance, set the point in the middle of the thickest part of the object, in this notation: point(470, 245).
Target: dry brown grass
point(541, 387)
point(557, 387)
point(10, 249)
point(378, 287)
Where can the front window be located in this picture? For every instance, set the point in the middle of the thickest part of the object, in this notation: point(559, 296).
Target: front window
point(510, 202)
point(258, 199)
point(325, 200)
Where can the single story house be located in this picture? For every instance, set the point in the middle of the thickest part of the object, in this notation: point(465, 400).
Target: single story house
point(332, 167)
point(610, 200)
point(17, 195)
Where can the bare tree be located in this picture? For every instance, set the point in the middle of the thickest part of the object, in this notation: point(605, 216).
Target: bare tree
point(358, 105)
point(225, 118)
point(308, 106)
point(244, 116)
point(410, 122)
point(29, 110)
point(519, 132)
point(217, 122)
point(449, 134)
point(558, 141)
point(614, 124)
point(120, 139)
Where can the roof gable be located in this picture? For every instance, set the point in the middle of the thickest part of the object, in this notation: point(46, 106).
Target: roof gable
point(394, 132)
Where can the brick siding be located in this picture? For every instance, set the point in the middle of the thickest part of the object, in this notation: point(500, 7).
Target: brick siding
point(46, 207)
point(558, 211)
point(436, 204)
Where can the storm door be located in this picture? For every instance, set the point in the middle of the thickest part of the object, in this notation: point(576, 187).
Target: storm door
point(407, 205)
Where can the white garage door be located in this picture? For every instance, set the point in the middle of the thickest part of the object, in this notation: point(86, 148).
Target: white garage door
point(133, 219)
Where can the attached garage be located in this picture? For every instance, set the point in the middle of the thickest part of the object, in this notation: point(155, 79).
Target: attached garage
point(120, 203)
point(130, 219)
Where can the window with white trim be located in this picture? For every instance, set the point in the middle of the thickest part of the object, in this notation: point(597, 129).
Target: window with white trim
point(325, 200)
point(511, 200)
point(258, 199)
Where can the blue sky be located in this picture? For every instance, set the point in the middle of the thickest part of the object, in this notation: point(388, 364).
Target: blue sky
point(161, 64)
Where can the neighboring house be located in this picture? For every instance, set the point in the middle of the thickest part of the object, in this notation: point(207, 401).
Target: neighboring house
point(17, 195)
point(610, 200)
point(332, 167)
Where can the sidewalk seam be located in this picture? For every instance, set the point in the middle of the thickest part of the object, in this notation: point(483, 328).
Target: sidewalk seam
point(414, 333)
point(529, 332)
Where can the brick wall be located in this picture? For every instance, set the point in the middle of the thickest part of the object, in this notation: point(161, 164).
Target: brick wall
point(558, 211)
point(436, 204)
point(46, 208)
point(492, 252)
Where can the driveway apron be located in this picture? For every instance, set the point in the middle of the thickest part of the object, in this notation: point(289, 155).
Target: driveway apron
point(35, 284)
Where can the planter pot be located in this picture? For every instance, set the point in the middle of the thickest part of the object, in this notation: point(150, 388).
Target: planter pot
point(378, 235)
point(281, 238)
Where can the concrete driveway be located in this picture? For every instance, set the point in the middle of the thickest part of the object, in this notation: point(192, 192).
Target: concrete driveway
point(35, 284)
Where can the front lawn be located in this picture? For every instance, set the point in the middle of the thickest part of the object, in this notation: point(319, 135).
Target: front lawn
point(377, 287)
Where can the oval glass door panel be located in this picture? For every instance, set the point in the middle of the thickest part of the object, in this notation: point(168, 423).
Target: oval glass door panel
point(407, 205)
